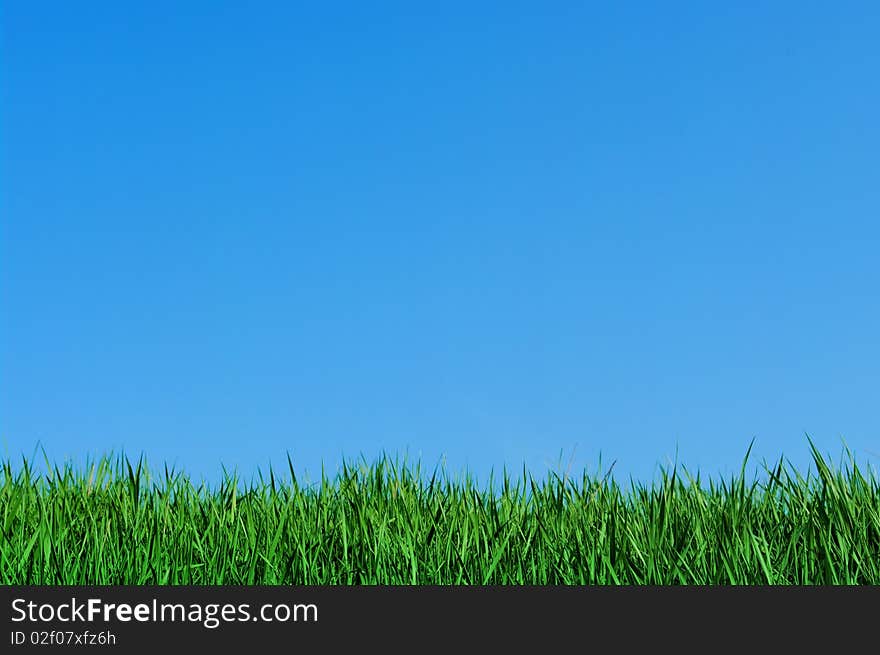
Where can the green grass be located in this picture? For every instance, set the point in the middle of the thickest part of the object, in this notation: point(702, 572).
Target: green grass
point(113, 523)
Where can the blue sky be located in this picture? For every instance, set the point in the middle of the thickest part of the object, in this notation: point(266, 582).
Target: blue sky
point(495, 232)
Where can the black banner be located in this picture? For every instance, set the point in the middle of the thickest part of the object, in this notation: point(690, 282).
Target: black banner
point(411, 619)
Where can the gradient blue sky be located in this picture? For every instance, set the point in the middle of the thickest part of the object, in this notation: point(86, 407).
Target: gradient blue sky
point(492, 231)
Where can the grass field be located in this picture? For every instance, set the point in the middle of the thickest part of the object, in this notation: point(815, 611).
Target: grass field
point(114, 523)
